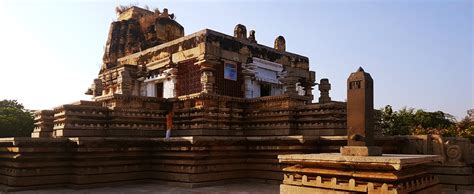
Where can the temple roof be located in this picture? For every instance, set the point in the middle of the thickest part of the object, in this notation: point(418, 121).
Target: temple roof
point(227, 42)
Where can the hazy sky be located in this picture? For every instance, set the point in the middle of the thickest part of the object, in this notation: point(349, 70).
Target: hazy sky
point(418, 52)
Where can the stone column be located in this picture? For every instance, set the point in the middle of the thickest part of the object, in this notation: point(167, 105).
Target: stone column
point(309, 86)
point(125, 83)
point(248, 74)
point(360, 116)
point(248, 86)
point(207, 76)
point(170, 83)
point(289, 83)
point(324, 87)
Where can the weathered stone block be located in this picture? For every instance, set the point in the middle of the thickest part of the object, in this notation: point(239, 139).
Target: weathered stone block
point(361, 151)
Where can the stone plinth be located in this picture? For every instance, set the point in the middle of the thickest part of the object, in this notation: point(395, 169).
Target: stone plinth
point(336, 173)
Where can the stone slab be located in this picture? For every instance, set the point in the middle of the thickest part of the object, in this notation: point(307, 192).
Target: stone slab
point(386, 161)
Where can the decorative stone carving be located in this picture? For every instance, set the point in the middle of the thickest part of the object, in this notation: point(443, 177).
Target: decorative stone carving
point(280, 43)
point(453, 153)
point(259, 71)
point(252, 36)
point(138, 29)
point(125, 83)
point(207, 77)
point(240, 31)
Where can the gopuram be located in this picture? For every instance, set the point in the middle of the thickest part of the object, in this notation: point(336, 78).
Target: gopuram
point(203, 109)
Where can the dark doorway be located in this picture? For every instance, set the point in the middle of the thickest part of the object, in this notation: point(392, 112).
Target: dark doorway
point(265, 90)
point(159, 90)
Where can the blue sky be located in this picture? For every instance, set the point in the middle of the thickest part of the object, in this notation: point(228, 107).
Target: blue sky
point(420, 53)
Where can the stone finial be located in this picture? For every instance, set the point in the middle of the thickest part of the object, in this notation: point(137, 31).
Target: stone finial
point(360, 116)
point(252, 36)
point(324, 87)
point(165, 12)
point(240, 31)
point(280, 43)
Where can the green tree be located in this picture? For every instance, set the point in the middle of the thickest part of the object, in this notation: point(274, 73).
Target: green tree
point(396, 122)
point(15, 120)
point(436, 119)
point(419, 122)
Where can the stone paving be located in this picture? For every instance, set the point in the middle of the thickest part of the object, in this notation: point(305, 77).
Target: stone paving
point(237, 188)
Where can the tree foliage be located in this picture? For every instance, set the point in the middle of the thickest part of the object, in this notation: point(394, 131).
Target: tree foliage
point(15, 120)
point(408, 121)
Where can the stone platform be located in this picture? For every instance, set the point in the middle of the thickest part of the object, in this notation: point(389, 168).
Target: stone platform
point(33, 163)
point(240, 187)
point(389, 173)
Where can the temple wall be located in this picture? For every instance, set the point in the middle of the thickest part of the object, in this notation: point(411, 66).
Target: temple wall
point(79, 162)
point(188, 161)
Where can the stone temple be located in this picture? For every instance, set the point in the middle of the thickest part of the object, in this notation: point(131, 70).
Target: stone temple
point(195, 110)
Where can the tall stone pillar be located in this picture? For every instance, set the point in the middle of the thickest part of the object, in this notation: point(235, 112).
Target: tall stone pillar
point(360, 116)
point(324, 87)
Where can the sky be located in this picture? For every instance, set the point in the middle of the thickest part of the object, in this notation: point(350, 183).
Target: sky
point(419, 53)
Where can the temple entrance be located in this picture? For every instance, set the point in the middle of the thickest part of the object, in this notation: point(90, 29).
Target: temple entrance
point(265, 89)
point(159, 89)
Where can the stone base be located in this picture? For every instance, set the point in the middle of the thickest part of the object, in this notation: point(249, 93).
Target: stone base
point(336, 173)
point(361, 151)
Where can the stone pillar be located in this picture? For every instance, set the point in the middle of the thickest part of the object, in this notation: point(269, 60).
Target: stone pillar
point(324, 87)
point(289, 83)
point(248, 73)
point(207, 76)
point(248, 86)
point(125, 83)
point(360, 116)
point(169, 83)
